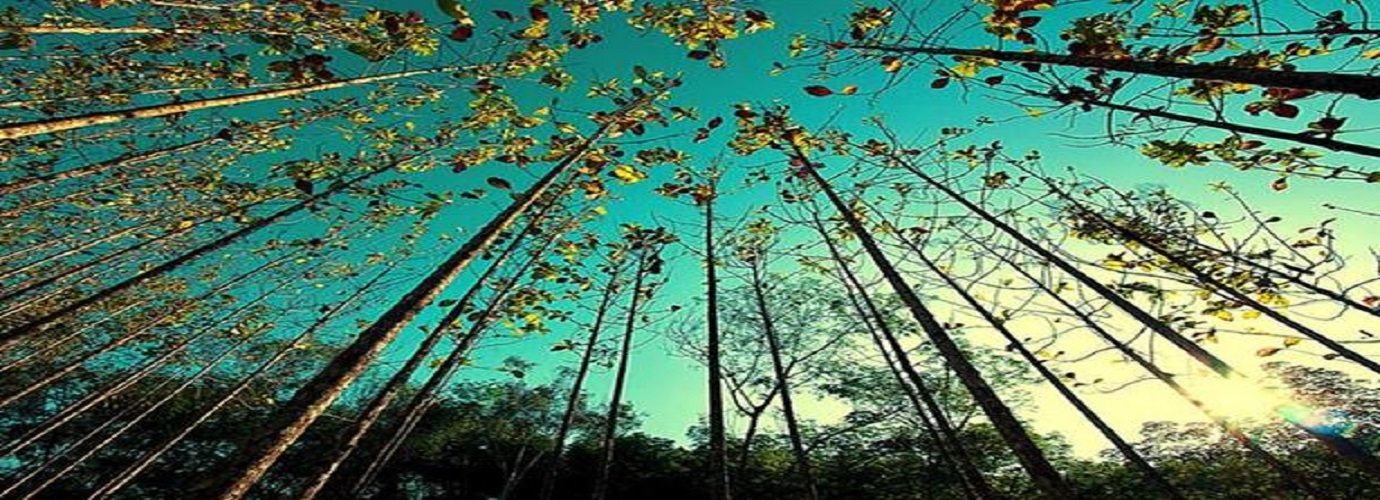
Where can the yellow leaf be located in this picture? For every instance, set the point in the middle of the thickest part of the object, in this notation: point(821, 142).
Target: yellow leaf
point(628, 174)
point(1292, 341)
point(1250, 314)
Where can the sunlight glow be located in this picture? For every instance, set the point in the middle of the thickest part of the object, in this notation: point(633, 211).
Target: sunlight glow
point(1239, 399)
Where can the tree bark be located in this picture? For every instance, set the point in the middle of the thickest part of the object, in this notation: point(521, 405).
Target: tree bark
point(1032, 459)
point(718, 450)
point(117, 483)
point(610, 437)
point(952, 442)
point(349, 440)
point(1365, 87)
point(252, 461)
point(25, 129)
point(1152, 475)
point(802, 458)
point(9, 339)
point(572, 405)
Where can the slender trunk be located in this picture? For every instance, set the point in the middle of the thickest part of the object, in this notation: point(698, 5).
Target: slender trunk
point(128, 30)
point(1213, 283)
point(115, 484)
point(127, 160)
point(426, 396)
point(968, 471)
point(145, 413)
point(1344, 447)
point(142, 93)
point(802, 458)
point(38, 283)
point(1366, 87)
point(134, 333)
point(1151, 474)
point(252, 461)
point(1287, 473)
point(351, 438)
point(111, 390)
point(10, 338)
point(1030, 456)
point(718, 449)
point(25, 129)
point(73, 250)
point(749, 435)
point(610, 438)
point(572, 405)
point(1331, 294)
point(1298, 137)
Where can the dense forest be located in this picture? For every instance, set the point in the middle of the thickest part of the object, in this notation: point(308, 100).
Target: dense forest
point(699, 249)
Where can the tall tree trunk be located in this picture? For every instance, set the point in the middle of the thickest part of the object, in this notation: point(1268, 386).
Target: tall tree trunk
point(1213, 283)
point(25, 129)
point(1236, 128)
point(349, 441)
point(572, 405)
point(1285, 472)
point(119, 481)
point(718, 449)
point(1030, 456)
point(1366, 87)
point(1151, 474)
point(114, 389)
point(252, 461)
point(72, 250)
point(10, 338)
point(134, 333)
point(610, 437)
point(1357, 455)
point(427, 395)
point(802, 458)
point(967, 468)
point(134, 158)
point(35, 284)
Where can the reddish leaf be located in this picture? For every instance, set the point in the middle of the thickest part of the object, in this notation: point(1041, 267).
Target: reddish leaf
point(939, 83)
point(818, 91)
point(995, 80)
point(504, 15)
point(499, 183)
point(1280, 184)
point(698, 55)
point(462, 33)
point(1284, 110)
point(715, 122)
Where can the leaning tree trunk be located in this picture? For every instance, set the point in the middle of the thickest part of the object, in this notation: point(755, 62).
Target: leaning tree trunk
point(9, 339)
point(134, 333)
point(1030, 456)
point(132, 159)
point(1285, 472)
point(119, 481)
point(427, 395)
point(971, 476)
point(1152, 475)
point(1366, 87)
point(610, 437)
point(572, 405)
point(1236, 128)
point(104, 394)
point(1213, 283)
point(252, 461)
point(802, 458)
point(1341, 445)
point(25, 129)
point(349, 441)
